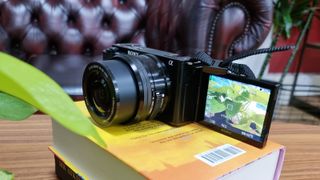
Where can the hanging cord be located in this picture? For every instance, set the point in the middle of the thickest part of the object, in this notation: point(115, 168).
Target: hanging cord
point(227, 67)
point(215, 68)
point(241, 70)
point(205, 58)
point(229, 60)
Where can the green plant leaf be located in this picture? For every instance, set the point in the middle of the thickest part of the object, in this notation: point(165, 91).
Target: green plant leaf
point(29, 84)
point(6, 175)
point(289, 14)
point(288, 24)
point(12, 108)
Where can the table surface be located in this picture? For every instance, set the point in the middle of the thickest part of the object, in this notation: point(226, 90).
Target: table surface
point(24, 148)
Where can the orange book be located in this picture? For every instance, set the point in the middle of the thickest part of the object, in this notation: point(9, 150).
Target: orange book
point(155, 150)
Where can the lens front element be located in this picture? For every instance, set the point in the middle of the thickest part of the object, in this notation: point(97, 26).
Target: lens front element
point(125, 89)
point(110, 92)
point(101, 97)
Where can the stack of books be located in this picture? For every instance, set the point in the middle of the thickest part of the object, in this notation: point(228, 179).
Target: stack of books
point(155, 150)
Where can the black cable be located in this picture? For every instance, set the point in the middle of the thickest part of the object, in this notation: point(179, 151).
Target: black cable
point(229, 60)
point(233, 68)
point(241, 70)
point(204, 57)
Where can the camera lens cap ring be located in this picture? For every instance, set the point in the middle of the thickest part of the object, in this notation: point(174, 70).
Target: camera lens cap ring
point(110, 92)
point(96, 69)
point(159, 83)
point(144, 86)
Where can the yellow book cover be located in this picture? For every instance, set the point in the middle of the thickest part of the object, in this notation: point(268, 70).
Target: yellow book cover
point(156, 150)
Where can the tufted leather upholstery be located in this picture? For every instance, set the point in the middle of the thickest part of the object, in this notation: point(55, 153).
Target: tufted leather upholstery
point(219, 27)
point(29, 27)
point(34, 29)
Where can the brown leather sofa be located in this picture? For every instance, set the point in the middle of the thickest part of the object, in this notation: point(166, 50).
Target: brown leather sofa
point(219, 27)
point(61, 36)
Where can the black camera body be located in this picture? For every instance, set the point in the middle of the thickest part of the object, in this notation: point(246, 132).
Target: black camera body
point(134, 83)
point(161, 85)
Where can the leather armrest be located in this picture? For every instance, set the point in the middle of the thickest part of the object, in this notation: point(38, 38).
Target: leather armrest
point(220, 28)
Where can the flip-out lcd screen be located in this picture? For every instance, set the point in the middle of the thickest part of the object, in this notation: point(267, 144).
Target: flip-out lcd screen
point(241, 109)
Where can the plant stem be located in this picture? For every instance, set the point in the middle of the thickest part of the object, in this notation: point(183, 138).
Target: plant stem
point(295, 50)
point(268, 57)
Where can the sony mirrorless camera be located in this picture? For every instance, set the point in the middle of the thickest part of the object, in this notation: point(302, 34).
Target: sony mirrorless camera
point(134, 83)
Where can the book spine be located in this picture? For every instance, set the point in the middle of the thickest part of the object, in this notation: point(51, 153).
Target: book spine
point(64, 172)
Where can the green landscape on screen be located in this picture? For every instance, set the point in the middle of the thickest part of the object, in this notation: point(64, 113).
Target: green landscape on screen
point(242, 105)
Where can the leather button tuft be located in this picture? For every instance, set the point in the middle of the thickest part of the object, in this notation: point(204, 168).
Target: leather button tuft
point(15, 44)
point(53, 50)
point(105, 22)
point(34, 18)
point(71, 19)
point(122, 2)
point(68, 26)
point(88, 49)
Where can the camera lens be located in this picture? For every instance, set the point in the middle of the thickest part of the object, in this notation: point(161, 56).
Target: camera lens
point(100, 95)
point(110, 92)
point(125, 89)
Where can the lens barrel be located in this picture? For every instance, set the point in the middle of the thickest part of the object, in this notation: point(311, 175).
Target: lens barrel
point(125, 89)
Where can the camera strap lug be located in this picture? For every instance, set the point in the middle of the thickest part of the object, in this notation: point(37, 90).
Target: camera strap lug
point(213, 64)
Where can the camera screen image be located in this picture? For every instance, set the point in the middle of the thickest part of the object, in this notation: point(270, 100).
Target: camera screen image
point(237, 106)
